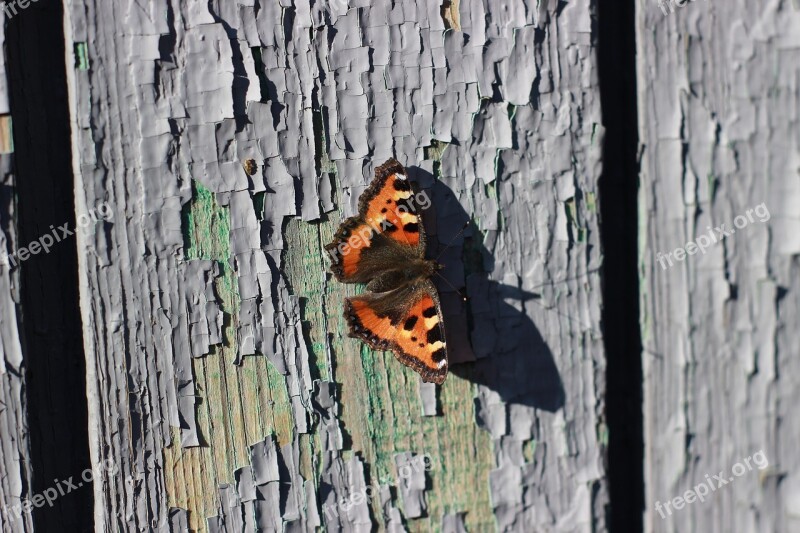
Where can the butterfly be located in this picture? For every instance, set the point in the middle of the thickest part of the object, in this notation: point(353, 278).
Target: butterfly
point(384, 247)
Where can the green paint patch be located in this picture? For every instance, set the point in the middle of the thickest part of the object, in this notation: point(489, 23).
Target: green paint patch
point(602, 434)
point(491, 190)
point(206, 235)
point(206, 226)
point(576, 229)
point(301, 259)
point(280, 406)
point(237, 404)
point(529, 450)
point(459, 452)
point(81, 56)
point(591, 202)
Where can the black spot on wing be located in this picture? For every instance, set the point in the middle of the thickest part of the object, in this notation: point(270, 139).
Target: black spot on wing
point(434, 335)
point(429, 312)
point(410, 323)
point(411, 227)
point(439, 355)
point(401, 185)
point(394, 314)
point(404, 206)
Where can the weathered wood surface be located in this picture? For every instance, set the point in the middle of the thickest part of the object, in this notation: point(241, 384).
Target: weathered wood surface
point(719, 88)
point(219, 376)
point(221, 380)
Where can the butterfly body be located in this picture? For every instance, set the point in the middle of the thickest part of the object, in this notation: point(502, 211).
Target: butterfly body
point(384, 248)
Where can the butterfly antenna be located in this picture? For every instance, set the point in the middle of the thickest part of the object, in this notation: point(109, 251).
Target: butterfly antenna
point(457, 235)
point(464, 298)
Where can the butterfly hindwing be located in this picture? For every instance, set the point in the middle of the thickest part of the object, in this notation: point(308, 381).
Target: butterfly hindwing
point(406, 320)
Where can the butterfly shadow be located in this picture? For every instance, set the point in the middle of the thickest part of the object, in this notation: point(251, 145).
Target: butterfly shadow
point(491, 339)
point(511, 357)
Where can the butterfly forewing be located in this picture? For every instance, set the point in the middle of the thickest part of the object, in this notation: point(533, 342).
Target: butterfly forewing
point(388, 205)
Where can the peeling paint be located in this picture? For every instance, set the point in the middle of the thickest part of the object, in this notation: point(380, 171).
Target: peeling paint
point(718, 125)
point(494, 110)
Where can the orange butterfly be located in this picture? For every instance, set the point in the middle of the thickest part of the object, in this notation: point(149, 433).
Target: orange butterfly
point(384, 247)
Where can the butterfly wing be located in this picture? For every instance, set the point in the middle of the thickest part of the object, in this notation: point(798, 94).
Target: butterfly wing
point(406, 320)
point(388, 205)
point(385, 234)
point(359, 253)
